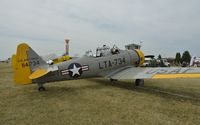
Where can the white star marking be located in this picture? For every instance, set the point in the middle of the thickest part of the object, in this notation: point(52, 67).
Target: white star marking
point(75, 70)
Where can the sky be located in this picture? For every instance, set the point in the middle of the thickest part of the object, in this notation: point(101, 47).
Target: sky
point(164, 26)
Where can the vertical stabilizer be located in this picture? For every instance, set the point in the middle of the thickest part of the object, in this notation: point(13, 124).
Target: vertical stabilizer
point(21, 66)
point(24, 63)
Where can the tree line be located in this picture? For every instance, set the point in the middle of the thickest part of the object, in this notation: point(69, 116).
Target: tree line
point(185, 58)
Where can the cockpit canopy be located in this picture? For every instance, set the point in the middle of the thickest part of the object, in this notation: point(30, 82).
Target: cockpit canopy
point(103, 51)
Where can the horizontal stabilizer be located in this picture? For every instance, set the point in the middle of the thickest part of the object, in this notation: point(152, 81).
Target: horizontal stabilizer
point(38, 73)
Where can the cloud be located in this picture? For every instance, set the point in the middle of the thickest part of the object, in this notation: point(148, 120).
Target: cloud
point(165, 27)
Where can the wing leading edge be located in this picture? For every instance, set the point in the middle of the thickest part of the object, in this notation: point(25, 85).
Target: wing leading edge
point(154, 73)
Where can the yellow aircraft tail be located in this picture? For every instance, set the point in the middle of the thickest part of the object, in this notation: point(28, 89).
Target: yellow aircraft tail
point(24, 63)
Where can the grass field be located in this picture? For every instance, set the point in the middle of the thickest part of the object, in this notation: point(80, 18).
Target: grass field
point(99, 102)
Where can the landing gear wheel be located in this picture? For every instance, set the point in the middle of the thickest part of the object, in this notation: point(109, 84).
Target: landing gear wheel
point(41, 89)
point(139, 82)
point(113, 80)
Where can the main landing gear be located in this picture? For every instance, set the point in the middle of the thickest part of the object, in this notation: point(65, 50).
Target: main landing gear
point(41, 88)
point(139, 82)
point(113, 80)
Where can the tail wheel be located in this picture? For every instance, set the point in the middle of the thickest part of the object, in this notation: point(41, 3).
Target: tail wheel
point(41, 89)
point(139, 82)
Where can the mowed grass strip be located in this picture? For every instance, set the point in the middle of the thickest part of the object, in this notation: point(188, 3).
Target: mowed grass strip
point(98, 101)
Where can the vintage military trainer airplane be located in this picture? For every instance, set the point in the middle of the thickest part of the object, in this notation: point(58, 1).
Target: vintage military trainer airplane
point(114, 64)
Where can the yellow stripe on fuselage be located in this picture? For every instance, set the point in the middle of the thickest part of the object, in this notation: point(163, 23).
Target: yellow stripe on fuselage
point(172, 76)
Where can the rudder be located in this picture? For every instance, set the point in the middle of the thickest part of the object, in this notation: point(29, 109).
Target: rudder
point(21, 65)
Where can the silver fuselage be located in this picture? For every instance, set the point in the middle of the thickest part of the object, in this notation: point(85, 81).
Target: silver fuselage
point(90, 66)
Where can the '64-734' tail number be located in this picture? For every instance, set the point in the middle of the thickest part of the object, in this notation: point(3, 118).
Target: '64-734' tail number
point(30, 63)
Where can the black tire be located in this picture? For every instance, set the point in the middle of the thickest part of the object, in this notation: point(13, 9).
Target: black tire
point(113, 80)
point(139, 82)
point(41, 89)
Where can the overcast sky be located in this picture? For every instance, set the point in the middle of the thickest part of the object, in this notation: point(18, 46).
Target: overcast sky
point(164, 26)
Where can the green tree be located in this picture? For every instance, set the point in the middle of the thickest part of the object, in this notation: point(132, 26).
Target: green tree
point(161, 63)
point(186, 57)
point(178, 58)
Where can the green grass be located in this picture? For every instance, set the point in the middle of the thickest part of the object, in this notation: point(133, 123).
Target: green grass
point(97, 101)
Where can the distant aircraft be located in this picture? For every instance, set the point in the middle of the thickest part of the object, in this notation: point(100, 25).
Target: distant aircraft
point(114, 64)
point(195, 61)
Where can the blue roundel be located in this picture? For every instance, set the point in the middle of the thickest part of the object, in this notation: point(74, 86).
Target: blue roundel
point(75, 70)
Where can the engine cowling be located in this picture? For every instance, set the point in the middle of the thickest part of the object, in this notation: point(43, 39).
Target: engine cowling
point(140, 56)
